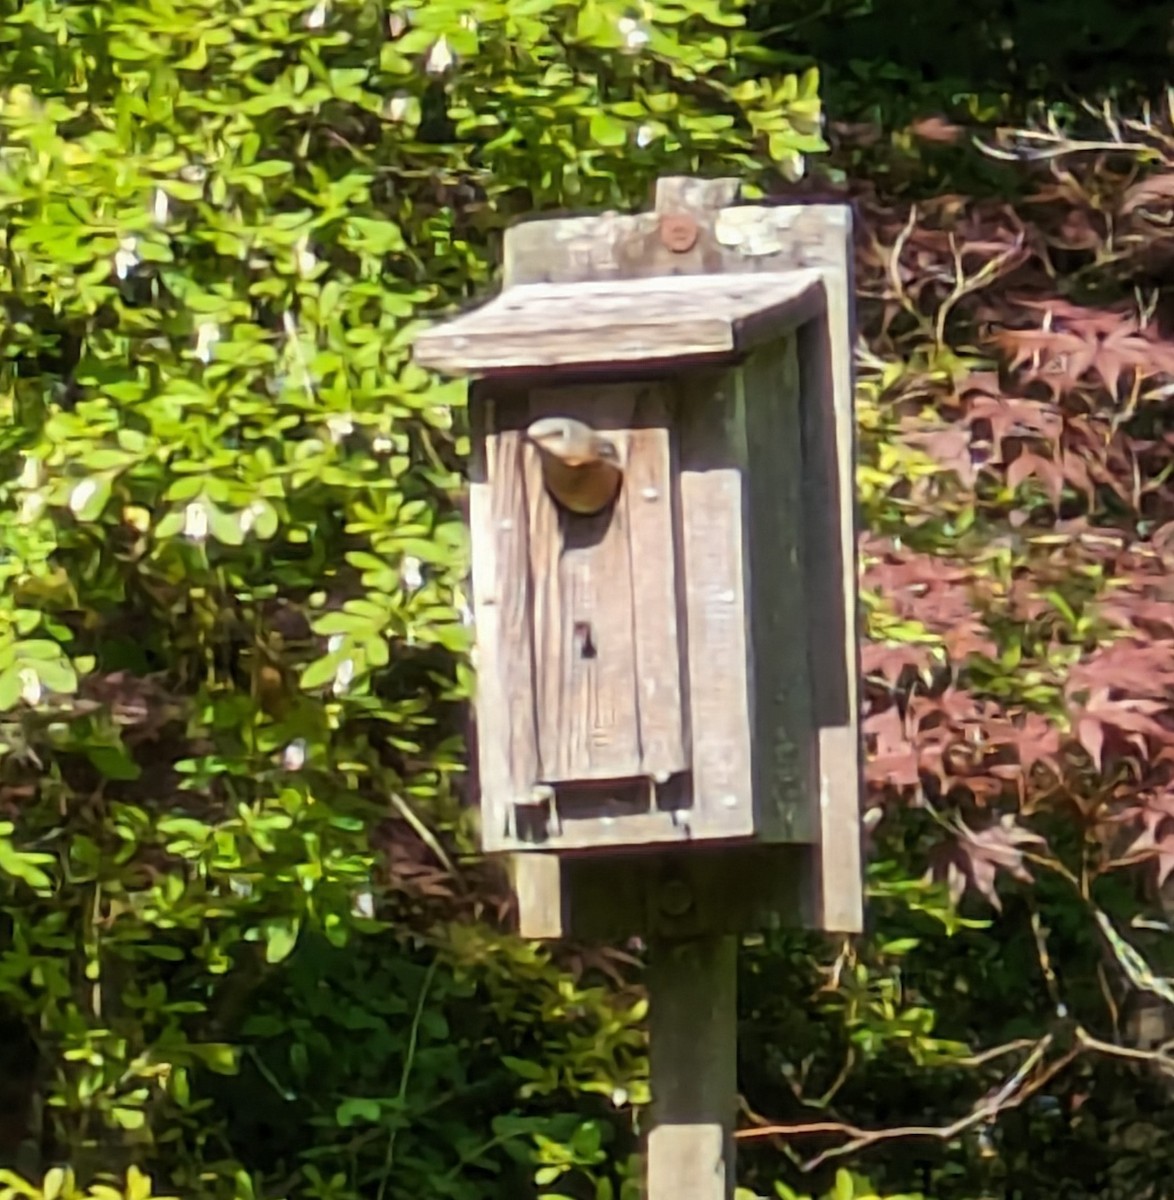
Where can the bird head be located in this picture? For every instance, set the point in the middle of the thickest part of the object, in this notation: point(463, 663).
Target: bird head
point(569, 440)
point(557, 435)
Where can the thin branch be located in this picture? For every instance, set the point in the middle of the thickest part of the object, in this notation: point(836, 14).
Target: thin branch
point(1018, 1087)
point(1055, 146)
point(405, 1075)
point(1010, 1095)
point(1160, 1057)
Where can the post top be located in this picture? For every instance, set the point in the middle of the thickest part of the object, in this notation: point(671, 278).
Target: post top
point(622, 321)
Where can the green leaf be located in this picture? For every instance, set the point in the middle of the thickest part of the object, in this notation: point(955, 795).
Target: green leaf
point(281, 936)
point(606, 130)
point(10, 688)
point(89, 497)
point(320, 672)
point(356, 1109)
point(114, 762)
point(24, 866)
point(217, 1056)
point(524, 1067)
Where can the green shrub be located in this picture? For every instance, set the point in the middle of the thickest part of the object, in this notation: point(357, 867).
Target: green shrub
point(235, 950)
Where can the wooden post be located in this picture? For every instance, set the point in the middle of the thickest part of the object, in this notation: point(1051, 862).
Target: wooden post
point(693, 1031)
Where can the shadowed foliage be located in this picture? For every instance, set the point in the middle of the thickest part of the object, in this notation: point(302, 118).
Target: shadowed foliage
point(246, 947)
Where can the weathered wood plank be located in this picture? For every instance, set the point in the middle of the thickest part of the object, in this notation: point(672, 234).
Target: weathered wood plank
point(749, 243)
point(642, 831)
point(538, 891)
point(734, 240)
point(730, 888)
point(493, 741)
point(685, 194)
point(638, 320)
point(648, 497)
point(693, 1065)
point(713, 544)
point(831, 572)
point(785, 740)
point(502, 608)
point(583, 629)
point(753, 239)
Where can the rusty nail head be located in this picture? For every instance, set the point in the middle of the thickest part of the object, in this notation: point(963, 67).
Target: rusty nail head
point(678, 231)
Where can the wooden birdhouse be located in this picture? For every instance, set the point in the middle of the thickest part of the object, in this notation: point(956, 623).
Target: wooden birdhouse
point(666, 701)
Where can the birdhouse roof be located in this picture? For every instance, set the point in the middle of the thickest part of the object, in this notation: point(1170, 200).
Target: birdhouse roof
point(621, 322)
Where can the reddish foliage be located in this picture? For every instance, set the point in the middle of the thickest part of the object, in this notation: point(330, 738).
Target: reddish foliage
point(977, 856)
point(1043, 676)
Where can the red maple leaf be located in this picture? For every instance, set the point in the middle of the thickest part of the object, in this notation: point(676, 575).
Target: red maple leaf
point(976, 856)
point(890, 660)
point(893, 757)
point(1130, 717)
point(1156, 840)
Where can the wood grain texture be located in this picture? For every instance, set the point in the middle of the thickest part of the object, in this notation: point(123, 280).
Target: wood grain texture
point(732, 887)
point(616, 716)
point(584, 636)
point(609, 700)
point(604, 254)
point(507, 733)
point(685, 194)
point(579, 832)
point(714, 550)
point(753, 239)
point(693, 1065)
point(650, 503)
point(515, 602)
point(637, 320)
point(831, 571)
point(538, 891)
point(786, 788)
point(735, 240)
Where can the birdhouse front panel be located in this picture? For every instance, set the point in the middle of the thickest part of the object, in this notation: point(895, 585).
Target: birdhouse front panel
point(586, 607)
point(651, 681)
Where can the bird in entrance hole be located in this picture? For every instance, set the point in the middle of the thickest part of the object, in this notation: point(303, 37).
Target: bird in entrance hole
point(580, 467)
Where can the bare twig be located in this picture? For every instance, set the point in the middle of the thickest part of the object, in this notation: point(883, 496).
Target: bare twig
point(1029, 1078)
point(965, 284)
point(1010, 1095)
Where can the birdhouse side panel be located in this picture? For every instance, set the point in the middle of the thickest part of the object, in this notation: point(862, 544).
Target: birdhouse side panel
point(783, 655)
point(831, 572)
